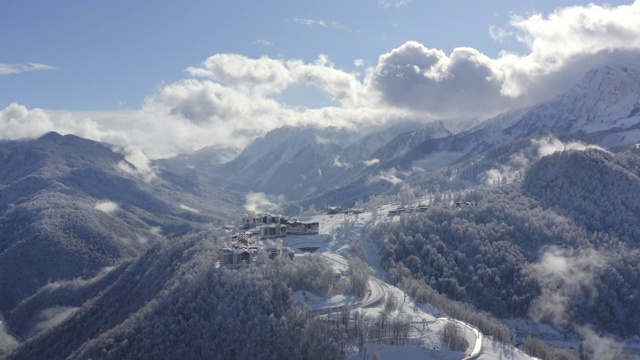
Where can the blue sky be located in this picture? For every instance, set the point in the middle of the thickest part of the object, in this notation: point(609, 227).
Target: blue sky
point(112, 54)
point(95, 68)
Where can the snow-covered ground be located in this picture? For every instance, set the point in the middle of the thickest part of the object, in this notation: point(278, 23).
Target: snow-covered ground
point(426, 321)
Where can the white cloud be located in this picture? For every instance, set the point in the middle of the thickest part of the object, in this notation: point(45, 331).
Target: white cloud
point(562, 277)
point(319, 23)
point(338, 163)
point(136, 163)
point(107, 206)
point(371, 161)
point(393, 3)
point(53, 316)
point(190, 209)
point(261, 202)
point(550, 145)
point(229, 99)
point(263, 42)
point(390, 176)
point(563, 46)
point(17, 122)
point(7, 69)
point(514, 167)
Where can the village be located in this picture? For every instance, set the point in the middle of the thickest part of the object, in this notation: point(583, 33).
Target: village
point(256, 235)
point(248, 245)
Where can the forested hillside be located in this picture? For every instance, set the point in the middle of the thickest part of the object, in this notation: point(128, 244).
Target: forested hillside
point(70, 207)
point(174, 303)
point(573, 209)
point(596, 189)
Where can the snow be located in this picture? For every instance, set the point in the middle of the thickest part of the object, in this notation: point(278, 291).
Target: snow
point(426, 321)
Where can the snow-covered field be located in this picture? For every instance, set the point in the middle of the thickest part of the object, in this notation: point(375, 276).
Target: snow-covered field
point(424, 341)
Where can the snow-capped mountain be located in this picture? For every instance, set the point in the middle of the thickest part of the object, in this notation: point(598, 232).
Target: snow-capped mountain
point(607, 97)
point(334, 164)
point(301, 161)
point(604, 108)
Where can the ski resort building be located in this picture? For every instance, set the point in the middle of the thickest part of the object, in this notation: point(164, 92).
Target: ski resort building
point(299, 228)
point(244, 251)
point(271, 226)
point(235, 257)
point(257, 221)
point(273, 231)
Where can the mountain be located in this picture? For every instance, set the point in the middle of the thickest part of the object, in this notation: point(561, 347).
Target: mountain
point(174, 303)
point(603, 108)
point(199, 165)
point(607, 203)
point(300, 162)
point(70, 207)
point(606, 98)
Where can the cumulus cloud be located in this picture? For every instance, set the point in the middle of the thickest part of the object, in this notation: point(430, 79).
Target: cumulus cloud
point(237, 75)
point(17, 122)
point(428, 80)
point(7, 69)
point(107, 206)
point(563, 46)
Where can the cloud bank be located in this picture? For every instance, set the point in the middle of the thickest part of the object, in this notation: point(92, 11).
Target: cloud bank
point(230, 99)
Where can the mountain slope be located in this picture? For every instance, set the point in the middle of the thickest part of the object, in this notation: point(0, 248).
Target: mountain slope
point(603, 107)
point(173, 302)
point(70, 207)
point(597, 189)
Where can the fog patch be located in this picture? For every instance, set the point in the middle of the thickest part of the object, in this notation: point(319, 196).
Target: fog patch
point(563, 276)
point(550, 145)
point(514, 168)
point(142, 240)
point(258, 202)
point(136, 163)
point(7, 342)
point(371, 162)
point(190, 209)
point(601, 347)
point(508, 172)
point(107, 206)
point(390, 176)
point(53, 316)
point(338, 163)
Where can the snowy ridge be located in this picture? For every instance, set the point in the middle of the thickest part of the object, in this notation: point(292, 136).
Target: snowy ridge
point(607, 97)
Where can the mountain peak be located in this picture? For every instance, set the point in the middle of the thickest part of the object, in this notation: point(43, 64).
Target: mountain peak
point(50, 136)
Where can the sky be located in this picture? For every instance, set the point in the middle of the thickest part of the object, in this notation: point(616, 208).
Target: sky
point(159, 77)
